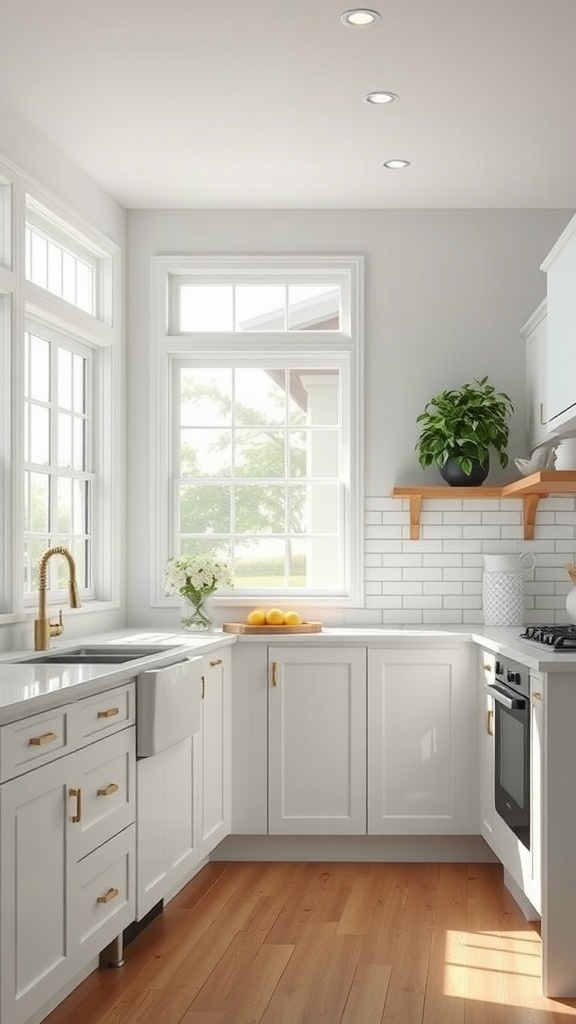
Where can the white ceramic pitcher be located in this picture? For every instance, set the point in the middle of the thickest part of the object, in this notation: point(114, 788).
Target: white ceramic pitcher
point(503, 588)
point(510, 563)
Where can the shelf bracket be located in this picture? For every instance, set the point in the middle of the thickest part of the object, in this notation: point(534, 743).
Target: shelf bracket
point(415, 511)
point(529, 509)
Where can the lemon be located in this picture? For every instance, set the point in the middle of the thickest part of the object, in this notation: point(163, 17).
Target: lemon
point(292, 619)
point(257, 617)
point(275, 617)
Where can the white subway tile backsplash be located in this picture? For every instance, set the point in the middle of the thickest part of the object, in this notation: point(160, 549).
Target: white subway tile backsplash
point(442, 559)
point(422, 601)
point(438, 578)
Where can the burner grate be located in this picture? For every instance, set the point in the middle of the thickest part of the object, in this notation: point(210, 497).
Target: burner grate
point(561, 638)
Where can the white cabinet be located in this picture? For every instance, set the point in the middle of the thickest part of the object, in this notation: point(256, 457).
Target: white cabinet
point(67, 852)
point(214, 752)
point(422, 741)
point(534, 333)
point(317, 740)
point(560, 267)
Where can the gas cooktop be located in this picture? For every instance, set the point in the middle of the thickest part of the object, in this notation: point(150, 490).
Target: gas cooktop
point(560, 638)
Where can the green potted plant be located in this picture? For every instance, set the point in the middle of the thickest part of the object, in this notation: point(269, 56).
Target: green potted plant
point(459, 427)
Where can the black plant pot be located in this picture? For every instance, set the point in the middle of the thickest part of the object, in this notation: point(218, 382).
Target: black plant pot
point(455, 476)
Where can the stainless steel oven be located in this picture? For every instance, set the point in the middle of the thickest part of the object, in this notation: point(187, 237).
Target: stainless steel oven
point(511, 693)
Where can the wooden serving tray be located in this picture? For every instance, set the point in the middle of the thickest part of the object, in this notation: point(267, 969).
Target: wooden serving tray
point(243, 627)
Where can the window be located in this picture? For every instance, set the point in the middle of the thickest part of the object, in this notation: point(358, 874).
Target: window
point(58, 483)
point(60, 407)
point(261, 370)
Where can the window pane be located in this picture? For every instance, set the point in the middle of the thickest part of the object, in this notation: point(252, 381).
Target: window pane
point(259, 453)
point(39, 368)
point(79, 549)
point(68, 277)
point(39, 437)
point(64, 378)
point(64, 506)
point(260, 563)
point(79, 383)
point(54, 269)
point(298, 575)
point(205, 398)
point(204, 509)
point(259, 396)
point(84, 286)
point(314, 508)
point(80, 506)
point(260, 307)
point(315, 397)
point(205, 453)
point(314, 308)
point(38, 503)
point(64, 440)
point(206, 545)
point(323, 459)
point(34, 548)
point(206, 307)
point(298, 453)
point(78, 443)
point(260, 508)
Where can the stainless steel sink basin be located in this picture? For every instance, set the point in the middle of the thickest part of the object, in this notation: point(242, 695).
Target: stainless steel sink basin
point(99, 654)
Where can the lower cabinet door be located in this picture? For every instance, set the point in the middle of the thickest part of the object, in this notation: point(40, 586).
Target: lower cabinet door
point(36, 943)
point(317, 740)
point(214, 779)
point(422, 741)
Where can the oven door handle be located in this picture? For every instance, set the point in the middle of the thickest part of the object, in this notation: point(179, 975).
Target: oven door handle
point(503, 697)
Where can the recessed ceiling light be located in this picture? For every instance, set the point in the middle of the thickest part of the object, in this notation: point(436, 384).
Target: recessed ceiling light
point(381, 97)
point(396, 165)
point(360, 16)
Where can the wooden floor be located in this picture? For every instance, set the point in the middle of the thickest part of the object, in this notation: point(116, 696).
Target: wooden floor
point(328, 944)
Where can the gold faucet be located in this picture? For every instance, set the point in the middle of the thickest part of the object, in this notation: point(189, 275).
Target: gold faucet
point(43, 628)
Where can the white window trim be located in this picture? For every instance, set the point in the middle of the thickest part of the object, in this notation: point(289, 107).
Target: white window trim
point(28, 302)
point(348, 271)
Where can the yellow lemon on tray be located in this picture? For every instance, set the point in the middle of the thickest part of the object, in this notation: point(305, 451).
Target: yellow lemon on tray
point(292, 619)
point(275, 617)
point(257, 617)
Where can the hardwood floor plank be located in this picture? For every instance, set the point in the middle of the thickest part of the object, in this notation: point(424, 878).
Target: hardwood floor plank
point(367, 995)
point(446, 982)
point(407, 989)
point(254, 991)
point(238, 958)
point(300, 904)
point(303, 971)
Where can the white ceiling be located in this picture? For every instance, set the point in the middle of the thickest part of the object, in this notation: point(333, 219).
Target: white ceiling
point(223, 103)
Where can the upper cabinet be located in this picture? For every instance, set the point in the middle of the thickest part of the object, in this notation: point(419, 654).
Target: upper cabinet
point(560, 267)
point(534, 332)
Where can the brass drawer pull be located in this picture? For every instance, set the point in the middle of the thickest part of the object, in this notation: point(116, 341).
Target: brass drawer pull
point(274, 673)
point(78, 794)
point(110, 894)
point(108, 790)
point(109, 713)
point(490, 723)
point(537, 696)
point(214, 663)
point(39, 741)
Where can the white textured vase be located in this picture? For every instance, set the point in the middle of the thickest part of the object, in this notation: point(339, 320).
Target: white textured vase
point(503, 598)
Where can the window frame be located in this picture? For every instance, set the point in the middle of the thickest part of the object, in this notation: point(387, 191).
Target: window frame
point(168, 347)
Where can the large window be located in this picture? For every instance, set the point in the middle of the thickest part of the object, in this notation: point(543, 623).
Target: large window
point(262, 393)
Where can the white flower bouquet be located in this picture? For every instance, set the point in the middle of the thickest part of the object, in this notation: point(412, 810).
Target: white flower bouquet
point(195, 578)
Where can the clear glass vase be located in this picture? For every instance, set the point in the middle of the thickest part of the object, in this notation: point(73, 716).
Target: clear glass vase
point(196, 613)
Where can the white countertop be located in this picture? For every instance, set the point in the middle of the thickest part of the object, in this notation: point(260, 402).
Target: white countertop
point(27, 689)
point(30, 688)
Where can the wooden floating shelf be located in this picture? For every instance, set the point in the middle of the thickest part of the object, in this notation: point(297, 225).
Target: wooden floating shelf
point(529, 489)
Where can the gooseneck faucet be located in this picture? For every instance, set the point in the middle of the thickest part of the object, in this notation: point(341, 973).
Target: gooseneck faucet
point(43, 627)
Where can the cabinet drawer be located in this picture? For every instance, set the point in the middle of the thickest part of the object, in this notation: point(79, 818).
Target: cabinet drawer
point(34, 741)
point(104, 901)
point(101, 792)
point(105, 713)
